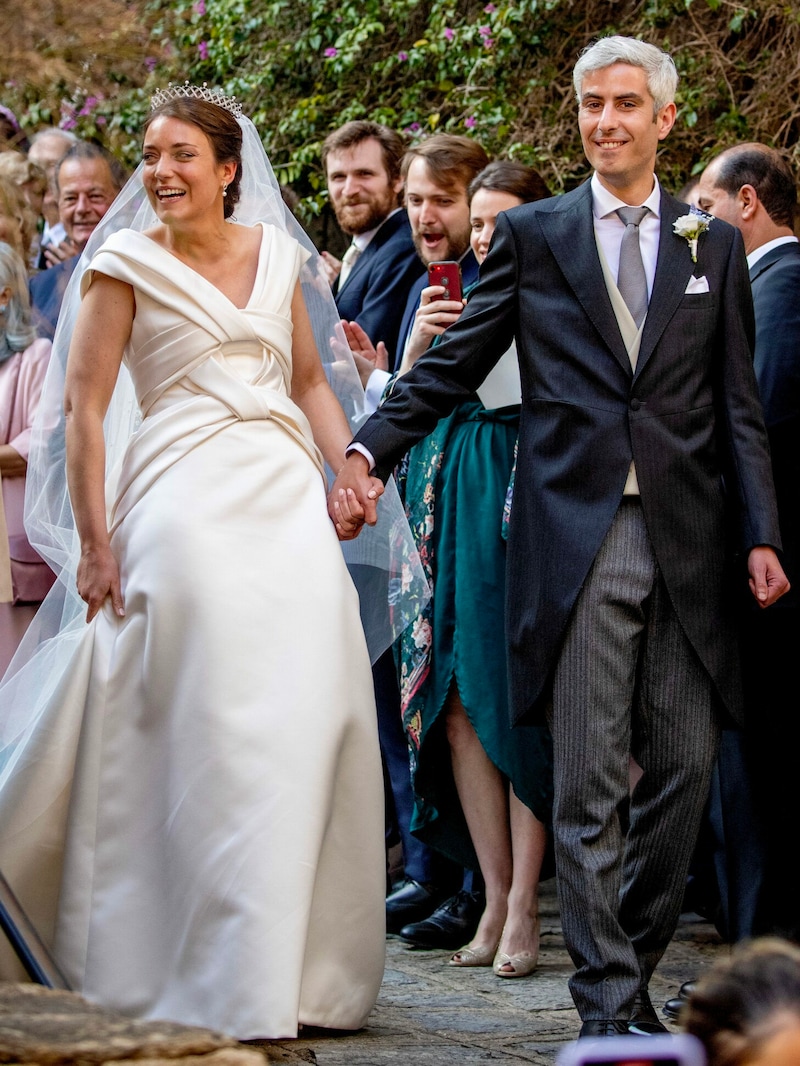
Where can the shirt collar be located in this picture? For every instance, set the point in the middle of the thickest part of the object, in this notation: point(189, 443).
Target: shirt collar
point(605, 203)
point(361, 240)
point(761, 251)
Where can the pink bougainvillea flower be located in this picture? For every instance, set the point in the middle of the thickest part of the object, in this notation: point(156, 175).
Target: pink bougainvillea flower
point(470, 122)
point(490, 9)
point(330, 53)
point(449, 34)
point(202, 48)
point(402, 56)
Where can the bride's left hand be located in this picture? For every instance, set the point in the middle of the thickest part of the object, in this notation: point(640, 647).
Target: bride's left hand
point(348, 514)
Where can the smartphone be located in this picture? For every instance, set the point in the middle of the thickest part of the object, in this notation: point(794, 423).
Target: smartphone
point(678, 1049)
point(448, 274)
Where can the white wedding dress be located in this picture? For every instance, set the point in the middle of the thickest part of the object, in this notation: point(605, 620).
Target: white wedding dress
point(197, 823)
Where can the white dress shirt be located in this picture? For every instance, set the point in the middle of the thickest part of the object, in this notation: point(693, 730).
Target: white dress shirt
point(761, 251)
point(609, 227)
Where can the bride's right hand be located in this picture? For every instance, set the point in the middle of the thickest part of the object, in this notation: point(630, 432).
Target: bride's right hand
point(98, 577)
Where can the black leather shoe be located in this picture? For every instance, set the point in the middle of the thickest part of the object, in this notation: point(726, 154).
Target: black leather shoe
point(644, 1020)
point(410, 902)
point(673, 1007)
point(451, 925)
point(604, 1027)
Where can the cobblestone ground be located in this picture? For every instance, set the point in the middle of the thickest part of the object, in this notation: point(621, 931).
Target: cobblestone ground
point(431, 1014)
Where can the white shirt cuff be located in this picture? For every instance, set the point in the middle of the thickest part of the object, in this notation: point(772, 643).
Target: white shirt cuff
point(356, 447)
point(378, 381)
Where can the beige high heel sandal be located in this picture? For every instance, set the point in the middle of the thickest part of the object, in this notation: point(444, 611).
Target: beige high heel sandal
point(468, 956)
point(521, 964)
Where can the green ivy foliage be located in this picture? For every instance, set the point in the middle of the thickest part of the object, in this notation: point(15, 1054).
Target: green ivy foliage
point(499, 71)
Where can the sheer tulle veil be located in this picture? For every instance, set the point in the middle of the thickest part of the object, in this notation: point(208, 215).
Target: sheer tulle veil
point(383, 561)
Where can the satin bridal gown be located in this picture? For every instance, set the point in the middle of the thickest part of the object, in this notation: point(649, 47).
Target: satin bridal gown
point(199, 817)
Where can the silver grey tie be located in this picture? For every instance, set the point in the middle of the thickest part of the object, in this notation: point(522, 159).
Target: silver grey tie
point(632, 280)
point(348, 262)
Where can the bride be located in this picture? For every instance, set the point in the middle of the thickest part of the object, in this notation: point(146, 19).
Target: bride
point(192, 811)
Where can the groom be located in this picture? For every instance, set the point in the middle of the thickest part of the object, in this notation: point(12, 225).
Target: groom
point(642, 456)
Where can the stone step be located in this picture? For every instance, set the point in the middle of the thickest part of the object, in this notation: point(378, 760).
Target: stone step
point(46, 1027)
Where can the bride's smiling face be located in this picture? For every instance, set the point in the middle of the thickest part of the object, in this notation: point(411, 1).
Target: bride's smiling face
point(181, 174)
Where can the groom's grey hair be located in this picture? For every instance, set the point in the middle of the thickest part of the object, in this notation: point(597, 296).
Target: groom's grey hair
point(662, 77)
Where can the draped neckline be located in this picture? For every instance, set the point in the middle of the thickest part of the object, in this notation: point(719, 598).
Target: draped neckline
point(256, 283)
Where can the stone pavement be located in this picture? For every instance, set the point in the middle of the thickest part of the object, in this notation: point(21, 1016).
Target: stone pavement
point(432, 1014)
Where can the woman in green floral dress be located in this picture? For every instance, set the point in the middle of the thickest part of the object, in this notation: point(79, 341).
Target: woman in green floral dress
point(482, 789)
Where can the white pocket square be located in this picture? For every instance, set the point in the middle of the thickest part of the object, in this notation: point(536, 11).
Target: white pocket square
point(697, 285)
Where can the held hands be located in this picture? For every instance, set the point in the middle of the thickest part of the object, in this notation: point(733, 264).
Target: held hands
point(432, 319)
point(767, 579)
point(98, 577)
point(353, 500)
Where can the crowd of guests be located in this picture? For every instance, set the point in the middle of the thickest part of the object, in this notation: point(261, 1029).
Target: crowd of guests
point(51, 198)
point(469, 798)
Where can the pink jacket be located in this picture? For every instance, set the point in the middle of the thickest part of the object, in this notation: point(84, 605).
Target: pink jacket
point(21, 381)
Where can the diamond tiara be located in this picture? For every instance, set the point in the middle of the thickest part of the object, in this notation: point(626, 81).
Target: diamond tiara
point(196, 92)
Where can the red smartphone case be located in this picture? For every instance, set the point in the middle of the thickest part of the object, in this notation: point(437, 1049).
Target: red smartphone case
point(448, 274)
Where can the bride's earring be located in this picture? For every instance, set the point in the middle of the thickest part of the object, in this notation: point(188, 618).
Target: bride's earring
point(224, 190)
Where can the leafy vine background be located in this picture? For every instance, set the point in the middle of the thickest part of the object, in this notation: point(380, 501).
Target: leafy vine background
point(499, 71)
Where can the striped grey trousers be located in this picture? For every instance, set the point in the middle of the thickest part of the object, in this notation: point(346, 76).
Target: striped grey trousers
point(627, 682)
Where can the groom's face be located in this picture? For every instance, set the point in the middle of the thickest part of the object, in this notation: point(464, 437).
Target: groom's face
point(620, 127)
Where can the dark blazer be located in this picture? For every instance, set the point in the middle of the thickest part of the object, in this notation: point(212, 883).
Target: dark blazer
point(469, 275)
point(776, 296)
point(47, 293)
point(689, 417)
point(377, 286)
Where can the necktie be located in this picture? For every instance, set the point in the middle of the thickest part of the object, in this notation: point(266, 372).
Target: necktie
point(632, 280)
point(348, 261)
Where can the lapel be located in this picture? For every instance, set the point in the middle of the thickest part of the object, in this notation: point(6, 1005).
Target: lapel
point(674, 267)
point(569, 231)
point(386, 230)
point(772, 257)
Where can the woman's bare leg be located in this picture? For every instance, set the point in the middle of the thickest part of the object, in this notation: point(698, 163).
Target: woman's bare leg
point(484, 799)
point(528, 842)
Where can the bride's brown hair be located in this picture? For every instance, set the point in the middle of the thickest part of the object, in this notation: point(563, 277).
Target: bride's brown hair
point(222, 130)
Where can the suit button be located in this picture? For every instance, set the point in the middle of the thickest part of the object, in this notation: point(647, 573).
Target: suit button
point(635, 404)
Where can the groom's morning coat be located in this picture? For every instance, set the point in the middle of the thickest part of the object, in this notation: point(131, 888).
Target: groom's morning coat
point(689, 417)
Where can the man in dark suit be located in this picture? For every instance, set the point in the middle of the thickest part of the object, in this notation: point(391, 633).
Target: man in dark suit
point(87, 181)
point(642, 454)
point(362, 168)
point(753, 188)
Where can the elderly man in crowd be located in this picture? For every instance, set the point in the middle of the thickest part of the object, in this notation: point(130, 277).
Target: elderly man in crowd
point(87, 180)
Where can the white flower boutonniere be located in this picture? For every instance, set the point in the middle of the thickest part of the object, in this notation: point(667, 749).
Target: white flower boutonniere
point(690, 227)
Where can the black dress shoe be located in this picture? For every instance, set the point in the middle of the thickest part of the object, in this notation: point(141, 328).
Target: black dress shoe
point(410, 902)
point(451, 925)
point(644, 1020)
point(673, 1007)
point(604, 1027)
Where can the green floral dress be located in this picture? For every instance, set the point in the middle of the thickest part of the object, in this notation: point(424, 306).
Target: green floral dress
point(455, 484)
